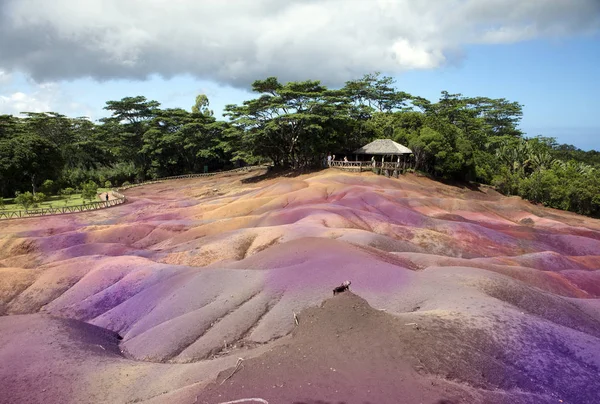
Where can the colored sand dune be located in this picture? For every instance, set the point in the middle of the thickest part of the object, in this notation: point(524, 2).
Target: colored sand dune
point(458, 295)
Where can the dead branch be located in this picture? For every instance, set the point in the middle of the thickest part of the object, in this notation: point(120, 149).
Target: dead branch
point(237, 366)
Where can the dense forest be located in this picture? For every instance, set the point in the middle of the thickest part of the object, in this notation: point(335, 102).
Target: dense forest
point(295, 125)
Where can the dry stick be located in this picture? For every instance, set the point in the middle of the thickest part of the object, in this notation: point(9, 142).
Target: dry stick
point(237, 365)
point(295, 318)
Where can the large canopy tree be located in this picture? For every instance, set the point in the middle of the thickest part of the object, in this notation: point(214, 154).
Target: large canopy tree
point(293, 124)
point(178, 141)
point(129, 121)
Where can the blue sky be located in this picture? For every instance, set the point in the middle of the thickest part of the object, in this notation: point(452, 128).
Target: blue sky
point(546, 56)
point(557, 81)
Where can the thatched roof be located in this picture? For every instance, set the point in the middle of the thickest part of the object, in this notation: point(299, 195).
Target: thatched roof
point(384, 147)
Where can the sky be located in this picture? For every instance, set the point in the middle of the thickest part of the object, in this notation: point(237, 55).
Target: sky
point(72, 56)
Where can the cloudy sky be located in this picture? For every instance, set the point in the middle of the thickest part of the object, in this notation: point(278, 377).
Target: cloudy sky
point(70, 56)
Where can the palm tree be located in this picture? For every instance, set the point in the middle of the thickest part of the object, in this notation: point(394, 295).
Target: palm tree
point(541, 160)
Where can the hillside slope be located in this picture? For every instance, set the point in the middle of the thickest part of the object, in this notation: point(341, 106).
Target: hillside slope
point(483, 298)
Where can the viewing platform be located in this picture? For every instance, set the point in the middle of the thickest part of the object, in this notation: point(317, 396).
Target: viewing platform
point(385, 168)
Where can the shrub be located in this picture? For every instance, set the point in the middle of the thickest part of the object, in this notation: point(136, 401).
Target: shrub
point(89, 190)
point(48, 187)
point(67, 192)
point(126, 183)
point(39, 197)
point(107, 184)
point(2, 203)
point(24, 199)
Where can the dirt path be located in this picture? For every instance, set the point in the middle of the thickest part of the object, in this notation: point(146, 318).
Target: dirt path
point(102, 196)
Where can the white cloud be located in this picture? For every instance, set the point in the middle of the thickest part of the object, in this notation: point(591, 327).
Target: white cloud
point(17, 102)
point(38, 97)
point(237, 41)
point(4, 77)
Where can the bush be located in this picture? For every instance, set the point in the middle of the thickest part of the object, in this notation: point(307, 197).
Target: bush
point(89, 190)
point(24, 199)
point(48, 187)
point(39, 197)
point(125, 184)
point(507, 182)
point(107, 184)
point(2, 206)
point(67, 192)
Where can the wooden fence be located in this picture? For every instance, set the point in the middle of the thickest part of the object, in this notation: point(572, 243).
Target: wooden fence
point(351, 165)
point(385, 168)
point(119, 198)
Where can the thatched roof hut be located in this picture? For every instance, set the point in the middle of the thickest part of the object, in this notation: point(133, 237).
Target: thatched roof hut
point(384, 147)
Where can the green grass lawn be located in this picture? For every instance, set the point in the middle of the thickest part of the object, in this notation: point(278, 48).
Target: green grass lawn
point(53, 201)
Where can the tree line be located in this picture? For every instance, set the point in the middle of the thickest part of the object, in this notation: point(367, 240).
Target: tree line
point(294, 125)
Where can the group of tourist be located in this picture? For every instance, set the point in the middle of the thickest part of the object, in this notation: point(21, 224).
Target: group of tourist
point(331, 158)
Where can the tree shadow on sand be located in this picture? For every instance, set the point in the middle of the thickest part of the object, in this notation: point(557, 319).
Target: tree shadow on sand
point(276, 172)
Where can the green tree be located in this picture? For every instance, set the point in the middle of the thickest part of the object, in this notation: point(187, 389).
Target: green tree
point(127, 124)
point(89, 190)
point(293, 124)
point(33, 157)
point(48, 187)
point(201, 106)
point(178, 141)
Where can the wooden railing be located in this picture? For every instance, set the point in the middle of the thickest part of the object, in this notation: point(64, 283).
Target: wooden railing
point(350, 165)
point(361, 166)
point(119, 198)
point(16, 214)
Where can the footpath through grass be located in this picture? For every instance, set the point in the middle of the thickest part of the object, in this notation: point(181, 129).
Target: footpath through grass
point(54, 201)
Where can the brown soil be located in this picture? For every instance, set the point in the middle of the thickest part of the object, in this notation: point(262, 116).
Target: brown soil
point(347, 352)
